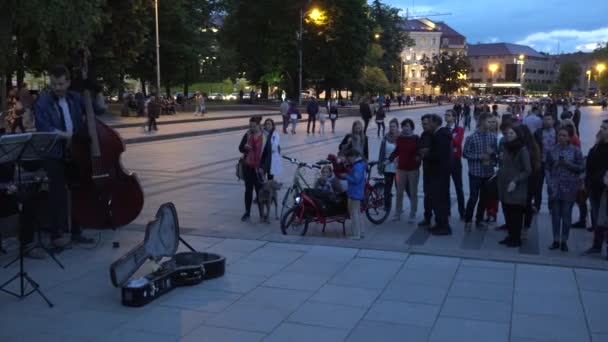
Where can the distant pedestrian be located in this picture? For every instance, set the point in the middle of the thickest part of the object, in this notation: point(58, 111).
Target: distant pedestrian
point(380, 115)
point(294, 116)
point(153, 113)
point(323, 114)
point(533, 120)
point(284, 109)
point(387, 104)
point(199, 102)
point(564, 165)
point(576, 117)
point(312, 109)
point(333, 116)
point(366, 113)
point(466, 112)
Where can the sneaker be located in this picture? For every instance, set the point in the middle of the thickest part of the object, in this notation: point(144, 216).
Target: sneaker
point(481, 226)
point(592, 250)
point(580, 225)
point(35, 253)
point(245, 217)
point(62, 242)
point(424, 223)
point(468, 227)
point(564, 246)
point(554, 245)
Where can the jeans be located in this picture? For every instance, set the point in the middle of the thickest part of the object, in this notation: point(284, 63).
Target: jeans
point(365, 124)
point(457, 179)
point(599, 233)
point(561, 218)
point(333, 126)
point(381, 125)
point(252, 182)
point(477, 196)
point(285, 124)
point(439, 199)
point(389, 180)
point(294, 123)
point(514, 217)
point(311, 118)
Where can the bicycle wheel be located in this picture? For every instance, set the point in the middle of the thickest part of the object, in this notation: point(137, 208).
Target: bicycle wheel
point(376, 211)
point(288, 200)
point(292, 224)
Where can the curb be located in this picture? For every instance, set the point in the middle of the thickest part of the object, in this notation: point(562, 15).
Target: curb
point(150, 138)
point(169, 122)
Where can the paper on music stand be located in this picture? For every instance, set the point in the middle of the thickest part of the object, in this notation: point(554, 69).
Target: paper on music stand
point(12, 146)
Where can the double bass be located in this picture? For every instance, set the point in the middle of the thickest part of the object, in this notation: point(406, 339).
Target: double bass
point(103, 194)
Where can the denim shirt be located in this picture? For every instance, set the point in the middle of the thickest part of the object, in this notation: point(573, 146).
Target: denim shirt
point(562, 181)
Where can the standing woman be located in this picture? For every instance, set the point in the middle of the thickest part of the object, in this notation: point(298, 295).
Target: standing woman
point(333, 115)
point(535, 161)
point(564, 165)
point(356, 140)
point(252, 146)
point(153, 113)
point(273, 149)
point(387, 167)
point(513, 184)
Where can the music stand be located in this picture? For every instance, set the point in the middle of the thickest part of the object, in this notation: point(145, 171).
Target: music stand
point(12, 148)
point(34, 151)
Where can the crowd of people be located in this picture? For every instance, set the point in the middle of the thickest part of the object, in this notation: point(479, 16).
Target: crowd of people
point(512, 158)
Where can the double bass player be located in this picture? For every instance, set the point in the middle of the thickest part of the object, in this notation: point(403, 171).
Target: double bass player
point(60, 111)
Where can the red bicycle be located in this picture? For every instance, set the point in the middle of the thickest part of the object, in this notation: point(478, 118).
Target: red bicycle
point(322, 207)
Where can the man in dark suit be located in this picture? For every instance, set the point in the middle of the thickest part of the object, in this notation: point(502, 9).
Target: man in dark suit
point(60, 111)
point(438, 158)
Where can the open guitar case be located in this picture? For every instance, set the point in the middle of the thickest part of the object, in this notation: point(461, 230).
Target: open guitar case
point(182, 269)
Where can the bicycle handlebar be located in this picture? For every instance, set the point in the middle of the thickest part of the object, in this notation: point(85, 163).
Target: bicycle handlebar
point(302, 164)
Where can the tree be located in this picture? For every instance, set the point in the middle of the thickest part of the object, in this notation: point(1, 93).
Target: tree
point(569, 72)
point(600, 54)
point(447, 71)
point(373, 80)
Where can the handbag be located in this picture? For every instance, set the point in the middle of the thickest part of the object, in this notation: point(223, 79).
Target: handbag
point(602, 215)
point(240, 173)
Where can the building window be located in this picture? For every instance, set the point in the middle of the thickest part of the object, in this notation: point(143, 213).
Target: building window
point(413, 56)
point(413, 73)
point(434, 41)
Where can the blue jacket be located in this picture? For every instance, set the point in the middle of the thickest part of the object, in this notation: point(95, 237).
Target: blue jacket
point(49, 119)
point(356, 180)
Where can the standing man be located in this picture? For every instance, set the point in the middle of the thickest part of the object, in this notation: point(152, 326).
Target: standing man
point(456, 171)
point(366, 114)
point(480, 152)
point(546, 138)
point(533, 120)
point(284, 109)
point(439, 157)
point(596, 170)
point(60, 111)
point(425, 144)
point(576, 118)
point(312, 109)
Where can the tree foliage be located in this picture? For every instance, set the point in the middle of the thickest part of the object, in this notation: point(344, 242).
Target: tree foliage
point(373, 80)
point(447, 71)
point(569, 72)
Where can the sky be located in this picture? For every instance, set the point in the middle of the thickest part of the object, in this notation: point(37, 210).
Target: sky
point(545, 25)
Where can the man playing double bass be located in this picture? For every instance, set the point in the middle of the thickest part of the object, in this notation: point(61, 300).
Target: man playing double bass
point(60, 111)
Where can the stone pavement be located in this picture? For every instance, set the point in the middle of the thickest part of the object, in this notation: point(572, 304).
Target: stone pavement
point(295, 292)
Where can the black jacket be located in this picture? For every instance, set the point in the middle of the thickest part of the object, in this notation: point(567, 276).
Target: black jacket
point(596, 167)
point(438, 160)
point(365, 110)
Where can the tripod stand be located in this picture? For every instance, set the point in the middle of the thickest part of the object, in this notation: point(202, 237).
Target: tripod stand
point(12, 150)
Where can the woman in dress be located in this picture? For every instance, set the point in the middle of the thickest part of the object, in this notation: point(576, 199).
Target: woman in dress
point(273, 147)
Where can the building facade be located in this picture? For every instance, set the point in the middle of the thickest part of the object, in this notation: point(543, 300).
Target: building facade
point(430, 38)
point(504, 68)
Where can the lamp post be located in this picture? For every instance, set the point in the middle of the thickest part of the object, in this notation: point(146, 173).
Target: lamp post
point(588, 72)
point(520, 61)
point(493, 68)
point(157, 49)
point(599, 68)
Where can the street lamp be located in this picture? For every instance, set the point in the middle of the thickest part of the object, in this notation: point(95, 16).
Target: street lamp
point(493, 67)
point(317, 17)
point(588, 72)
point(157, 49)
point(521, 72)
point(599, 68)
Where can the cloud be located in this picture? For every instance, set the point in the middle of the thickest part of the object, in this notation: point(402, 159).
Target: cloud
point(569, 40)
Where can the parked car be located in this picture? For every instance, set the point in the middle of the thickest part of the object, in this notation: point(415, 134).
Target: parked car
point(216, 96)
point(231, 97)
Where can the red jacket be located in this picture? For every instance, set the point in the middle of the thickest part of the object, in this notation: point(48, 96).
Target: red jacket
point(457, 139)
point(407, 151)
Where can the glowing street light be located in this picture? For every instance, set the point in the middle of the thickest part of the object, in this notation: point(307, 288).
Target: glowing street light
point(317, 17)
point(377, 36)
point(599, 68)
point(493, 67)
